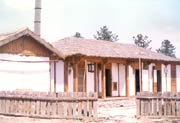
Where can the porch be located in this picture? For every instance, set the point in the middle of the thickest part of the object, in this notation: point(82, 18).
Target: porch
point(115, 77)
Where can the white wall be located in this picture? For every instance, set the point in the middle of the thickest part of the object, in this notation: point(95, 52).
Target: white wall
point(89, 80)
point(145, 80)
point(52, 76)
point(163, 78)
point(131, 81)
point(115, 78)
point(155, 76)
point(122, 80)
point(169, 78)
point(178, 78)
point(60, 76)
point(166, 79)
point(70, 79)
point(150, 74)
point(21, 75)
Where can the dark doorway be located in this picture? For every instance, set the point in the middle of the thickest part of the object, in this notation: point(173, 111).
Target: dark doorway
point(108, 83)
point(158, 80)
point(137, 80)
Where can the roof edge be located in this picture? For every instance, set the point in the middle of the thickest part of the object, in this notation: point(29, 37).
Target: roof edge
point(26, 31)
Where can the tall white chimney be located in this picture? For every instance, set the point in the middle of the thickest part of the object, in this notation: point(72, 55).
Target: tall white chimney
point(37, 17)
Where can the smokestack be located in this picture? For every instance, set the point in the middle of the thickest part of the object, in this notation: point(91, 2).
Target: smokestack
point(37, 17)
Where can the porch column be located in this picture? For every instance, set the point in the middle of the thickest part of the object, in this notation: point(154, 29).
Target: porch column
point(65, 76)
point(103, 81)
point(75, 77)
point(127, 80)
point(50, 90)
point(140, 74)
point(95, 77)
point(54, 76)
point(84, 77)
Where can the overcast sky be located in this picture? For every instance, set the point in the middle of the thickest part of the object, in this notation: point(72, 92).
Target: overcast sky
point(158, 19)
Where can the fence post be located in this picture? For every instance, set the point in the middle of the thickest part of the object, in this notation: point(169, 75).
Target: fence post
point(178, 104)
point(95, 105)
point(138, 105)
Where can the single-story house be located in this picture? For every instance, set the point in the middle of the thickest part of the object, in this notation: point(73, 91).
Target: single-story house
point(116, 69)
point(27, 62)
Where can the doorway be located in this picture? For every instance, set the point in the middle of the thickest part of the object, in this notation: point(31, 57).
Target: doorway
point(108, 82)
point(137, 80)
point(158, 80)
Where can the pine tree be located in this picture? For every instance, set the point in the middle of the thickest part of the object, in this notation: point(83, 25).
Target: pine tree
point(78, 35)
point(142, 41)
point(105, 34)
point(167, 48)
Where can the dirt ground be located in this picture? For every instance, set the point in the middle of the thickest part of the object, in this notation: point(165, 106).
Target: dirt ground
point(109, 111)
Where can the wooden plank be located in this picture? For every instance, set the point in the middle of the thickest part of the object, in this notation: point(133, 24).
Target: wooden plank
point(65, 106)
point(90, 105)
point(7, 106)
point(60, 109)
point(70, 105)
point(84, 103)
point(80, 106)
point(42, 111)
point(178, 104)
point(153, 107)
point(142, 107)
point(173, 102)
point(54, 108)
point(138, 107)
point(33, 108)
point(95, 106)
point(36, 107)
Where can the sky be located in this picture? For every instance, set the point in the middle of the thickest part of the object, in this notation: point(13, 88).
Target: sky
point(158, 19)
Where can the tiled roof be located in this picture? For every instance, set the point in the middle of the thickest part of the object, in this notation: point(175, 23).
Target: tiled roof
point(8, 37)
point(98, 48)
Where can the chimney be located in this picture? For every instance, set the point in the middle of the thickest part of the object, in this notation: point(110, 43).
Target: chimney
point(37, 17)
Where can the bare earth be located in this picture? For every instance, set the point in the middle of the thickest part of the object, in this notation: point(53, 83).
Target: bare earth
point(109, 111)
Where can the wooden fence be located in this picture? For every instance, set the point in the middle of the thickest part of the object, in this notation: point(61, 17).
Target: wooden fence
point(44, 105)
point(158, 104)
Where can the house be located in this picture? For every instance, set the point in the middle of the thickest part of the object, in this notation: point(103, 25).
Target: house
point(115, 69)
point(27, 62)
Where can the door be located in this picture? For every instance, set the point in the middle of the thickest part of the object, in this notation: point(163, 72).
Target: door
point(137, 80)
point(108, 83)
point(158, 80)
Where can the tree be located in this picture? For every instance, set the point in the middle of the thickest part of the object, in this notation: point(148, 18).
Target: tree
point(105, 34)
point(142, 41)
point(167, 48)
point(78, 35)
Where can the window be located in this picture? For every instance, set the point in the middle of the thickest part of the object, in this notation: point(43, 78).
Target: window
point(91, 67)
point(114, 86)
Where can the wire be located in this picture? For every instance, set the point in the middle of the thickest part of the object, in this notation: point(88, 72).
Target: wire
point(29, 61)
